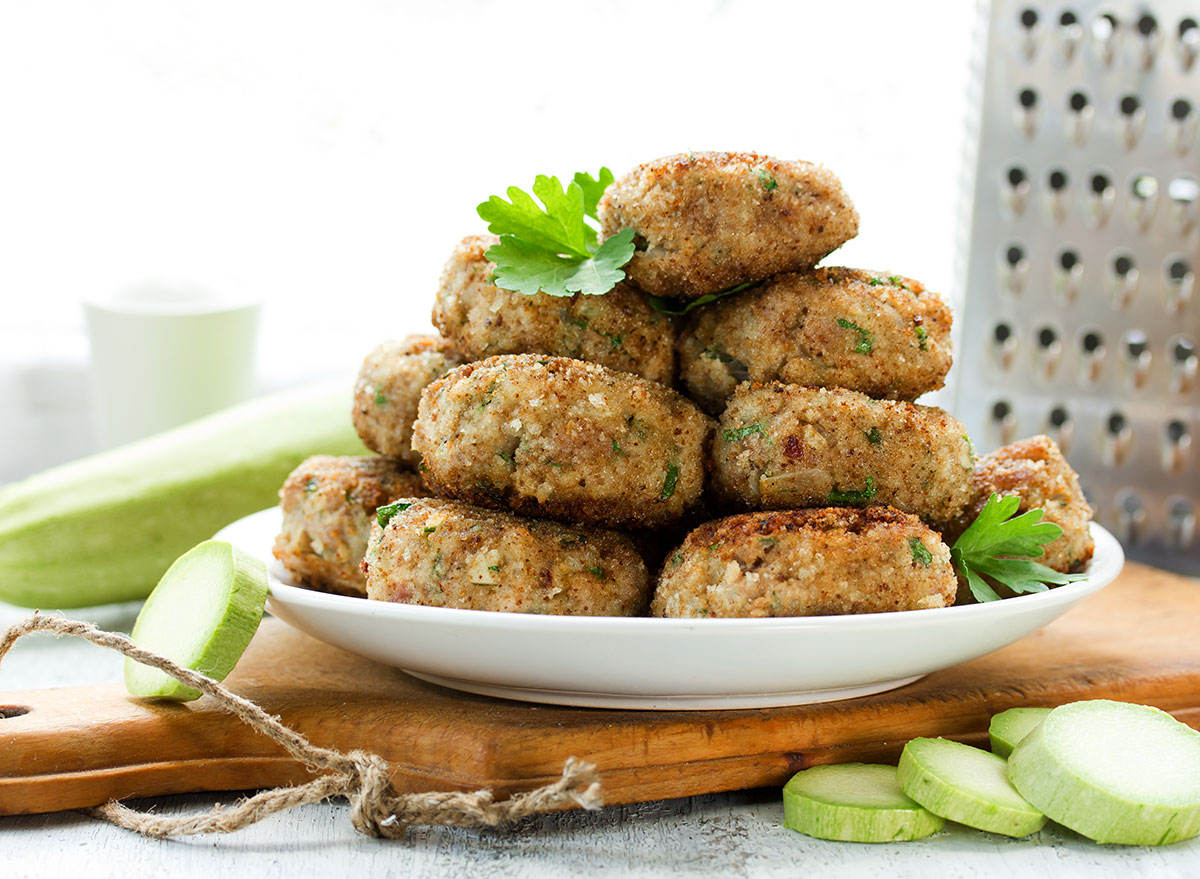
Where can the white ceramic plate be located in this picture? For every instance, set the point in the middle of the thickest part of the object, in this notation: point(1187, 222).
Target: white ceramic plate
point(617, 662)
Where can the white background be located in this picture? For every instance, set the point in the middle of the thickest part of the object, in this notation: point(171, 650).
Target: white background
point(328, 156)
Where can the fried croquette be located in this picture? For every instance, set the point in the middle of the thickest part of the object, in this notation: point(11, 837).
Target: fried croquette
point(450, 554)
point(562, 438)
point(1035, 470)
point(806, 563)
point(707, 222)
point(389, 387)
point(619, 329)
point(884, 335)
point(785, 446)
point(328, 506)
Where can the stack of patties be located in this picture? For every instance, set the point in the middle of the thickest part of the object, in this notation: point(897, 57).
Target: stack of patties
point(557, 465)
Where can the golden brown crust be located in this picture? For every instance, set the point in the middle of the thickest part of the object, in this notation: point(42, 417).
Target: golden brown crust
point(619, 329)
point(446, 553)
point(557, 437)
point(328, 506)
point(783, 446)
point(806, 563)
point(881, 334)
point(388, 388)
point(709, 221)
point(1035, 470)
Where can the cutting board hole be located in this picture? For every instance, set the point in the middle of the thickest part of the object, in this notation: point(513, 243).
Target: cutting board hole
point(12, 711)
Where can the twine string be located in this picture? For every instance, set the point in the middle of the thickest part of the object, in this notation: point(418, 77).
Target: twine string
point(376, 809)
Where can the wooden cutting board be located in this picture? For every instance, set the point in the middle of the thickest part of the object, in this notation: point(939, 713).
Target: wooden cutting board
point(1138, 640)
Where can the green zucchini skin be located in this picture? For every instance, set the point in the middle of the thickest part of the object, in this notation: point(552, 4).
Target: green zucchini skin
point(104, 528)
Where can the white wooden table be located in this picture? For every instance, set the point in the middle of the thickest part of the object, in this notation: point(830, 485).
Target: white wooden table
point(737, 834)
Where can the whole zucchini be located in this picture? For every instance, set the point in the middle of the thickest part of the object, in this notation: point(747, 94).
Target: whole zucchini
point(105, 528)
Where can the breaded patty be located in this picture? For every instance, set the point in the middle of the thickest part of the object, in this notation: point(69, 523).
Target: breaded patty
point(706, 222)
point(619, 329)
point(880, 334)
point(784, 446)
point(563, 438)
point(449, 554)
point(328, 506)
point(389, 387)
point(806, 563)
point(1035, 470)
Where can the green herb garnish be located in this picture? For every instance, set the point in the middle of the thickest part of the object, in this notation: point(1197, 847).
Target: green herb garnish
point(837, 496)
point(429, 529)
point(920, 552)
point(865, 340)
point(311, 484)
point(922, 336)
point(380, 399)
point(766, 180)
point(668, 487)
point(550, 247)
point(505, 455)
point(617, 448)
point(494, 568)
point(743, 432)
point(999, 545)
point(387, 512)
point(874, 437)
point(669, 306)
point(598, 571)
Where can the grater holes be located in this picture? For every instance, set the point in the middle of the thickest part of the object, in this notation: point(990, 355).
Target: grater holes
point(1149, 38)
point(1117, 439)
point(1143, 200)
point(1130, 105)
point(1048, 352)
point(1136, 347)
point(1184, 364)
point(1130, 516)
point(1181, 522)
point(1101, 195)
point(1025, 111)
point(1180, 283)
point(1123, 280)
point(1015, 189)
point(1004, 345)
point(1183, 192)
point(1177, 442)
point(1014, 268)
point(1060, 427)
point(1188, 43)
point(1067, 274)
point(1132, 119)
point(1147, 25)
point(1181, 127)
point(1057, 194)
point(1104, 36)
point(1078, 120)
point(1091, 354)
point(1029, 18)
point(1069, 33)
point(1004, 422)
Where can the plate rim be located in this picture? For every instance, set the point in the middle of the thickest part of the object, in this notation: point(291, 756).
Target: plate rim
point(1107, 562)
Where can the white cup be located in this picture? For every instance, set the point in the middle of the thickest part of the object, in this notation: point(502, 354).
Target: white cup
point(164, 353)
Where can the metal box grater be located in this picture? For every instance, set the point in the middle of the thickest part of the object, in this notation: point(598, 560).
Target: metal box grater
point(1081, 307)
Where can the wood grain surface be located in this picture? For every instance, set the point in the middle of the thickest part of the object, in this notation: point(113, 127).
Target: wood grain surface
point(72, 747)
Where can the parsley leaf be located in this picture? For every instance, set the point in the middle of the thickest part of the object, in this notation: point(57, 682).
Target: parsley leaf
point(669, 306)
point(388, 512)
point(839, 496)
point(988, 547)
point(865, 340)
point(550, 247)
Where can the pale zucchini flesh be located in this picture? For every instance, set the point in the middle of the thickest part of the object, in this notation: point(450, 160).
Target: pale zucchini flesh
point(967, 785)
point(1008, 728)
point(854, 802)
point(1114, 772)
point(105, 528)
point(202, 615)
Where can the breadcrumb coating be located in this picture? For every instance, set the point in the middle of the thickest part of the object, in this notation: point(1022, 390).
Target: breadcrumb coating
point(806, 563)
point(706, 222)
